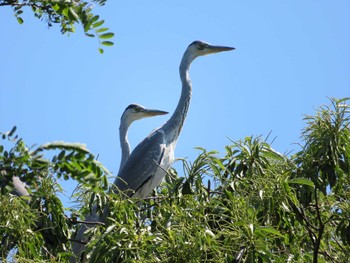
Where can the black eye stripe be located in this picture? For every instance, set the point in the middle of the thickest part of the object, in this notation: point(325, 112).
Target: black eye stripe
point(132, 107)
point(198, 44)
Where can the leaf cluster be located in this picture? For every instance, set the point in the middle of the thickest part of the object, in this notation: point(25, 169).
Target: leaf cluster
point(36, 225)
point(253, 204)
point(66, 13)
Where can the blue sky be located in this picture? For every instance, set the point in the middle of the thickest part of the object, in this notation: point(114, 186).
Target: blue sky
point(290, 56)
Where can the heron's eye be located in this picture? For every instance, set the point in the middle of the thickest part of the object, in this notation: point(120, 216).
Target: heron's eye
point(200, 46)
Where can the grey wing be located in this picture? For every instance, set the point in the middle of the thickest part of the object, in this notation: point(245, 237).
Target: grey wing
point(142, 162)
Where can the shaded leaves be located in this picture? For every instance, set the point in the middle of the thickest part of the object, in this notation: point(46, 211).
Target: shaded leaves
point(67, 14)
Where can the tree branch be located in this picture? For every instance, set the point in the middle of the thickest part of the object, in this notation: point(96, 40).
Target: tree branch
point(320, 231)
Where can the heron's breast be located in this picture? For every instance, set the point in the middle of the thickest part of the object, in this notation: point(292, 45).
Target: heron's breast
point(168, 156)
point(166, 161)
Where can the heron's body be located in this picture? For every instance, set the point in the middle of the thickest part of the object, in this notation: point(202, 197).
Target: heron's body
point(162, 155)
point(148, 163)
point(132, 113)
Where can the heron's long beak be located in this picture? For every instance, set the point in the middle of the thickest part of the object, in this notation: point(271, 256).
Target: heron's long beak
point(215, 49)
point(152, 112)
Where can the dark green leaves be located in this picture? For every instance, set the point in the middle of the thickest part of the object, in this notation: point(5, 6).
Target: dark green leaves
point(107, 35)
point(19, 20)
point(301, 181)
point(325, 155)
point(107, 43)
point(67, 14)
point(71, 161)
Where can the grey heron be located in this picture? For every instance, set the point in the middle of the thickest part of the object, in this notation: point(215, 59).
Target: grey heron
point(149, 161)
point(132, 113)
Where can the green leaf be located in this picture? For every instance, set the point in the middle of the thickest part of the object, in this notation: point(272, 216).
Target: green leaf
point(100, 50)
point(61, 155)
point(103, 29)
point(107, 43)
point(55, 7)
point(65, 12)
point(303, 181)
point(89, 35)
point(73, 15)
point(87, 27)
point(105, 182)
point(97, 24)
point(64, 145)
point(270, 230)
point(12, 131)
point(107, 35)
point(89, 177)
point(290, 193)
point(94, 19)
point(20, 20)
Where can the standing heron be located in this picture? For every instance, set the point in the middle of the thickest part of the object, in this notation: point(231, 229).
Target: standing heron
point(132, 113)
point(148, 163)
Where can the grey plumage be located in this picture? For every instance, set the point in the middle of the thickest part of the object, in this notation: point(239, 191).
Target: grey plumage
point(148, 163)
point(132, 113)
point(19, 188)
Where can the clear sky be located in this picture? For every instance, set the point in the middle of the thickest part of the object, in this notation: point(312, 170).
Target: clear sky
point(290, 56)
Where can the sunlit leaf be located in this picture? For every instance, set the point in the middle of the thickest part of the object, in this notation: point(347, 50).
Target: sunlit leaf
point(302, 181)
point(87, 27)
point(103, 29)
point(94, 19)
point(98, 24)
point(107, 43)
point(106, 35)
point(270, 230)
point(19, 20)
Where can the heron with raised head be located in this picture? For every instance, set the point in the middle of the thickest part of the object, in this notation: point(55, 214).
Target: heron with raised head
point(147, 165)
point(132, 113)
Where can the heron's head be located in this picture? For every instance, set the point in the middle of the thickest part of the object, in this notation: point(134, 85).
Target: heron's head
point(200, 48)
point(136, 112)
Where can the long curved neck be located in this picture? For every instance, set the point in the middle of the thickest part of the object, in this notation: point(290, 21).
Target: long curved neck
point(124, 143)
point(173, 126)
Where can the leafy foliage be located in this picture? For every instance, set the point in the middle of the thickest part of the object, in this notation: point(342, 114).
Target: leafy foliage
point(67, 14)
point(254, 204)
point(37, 225)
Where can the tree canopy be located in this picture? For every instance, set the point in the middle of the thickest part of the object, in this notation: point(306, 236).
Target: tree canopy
point(248, 204)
